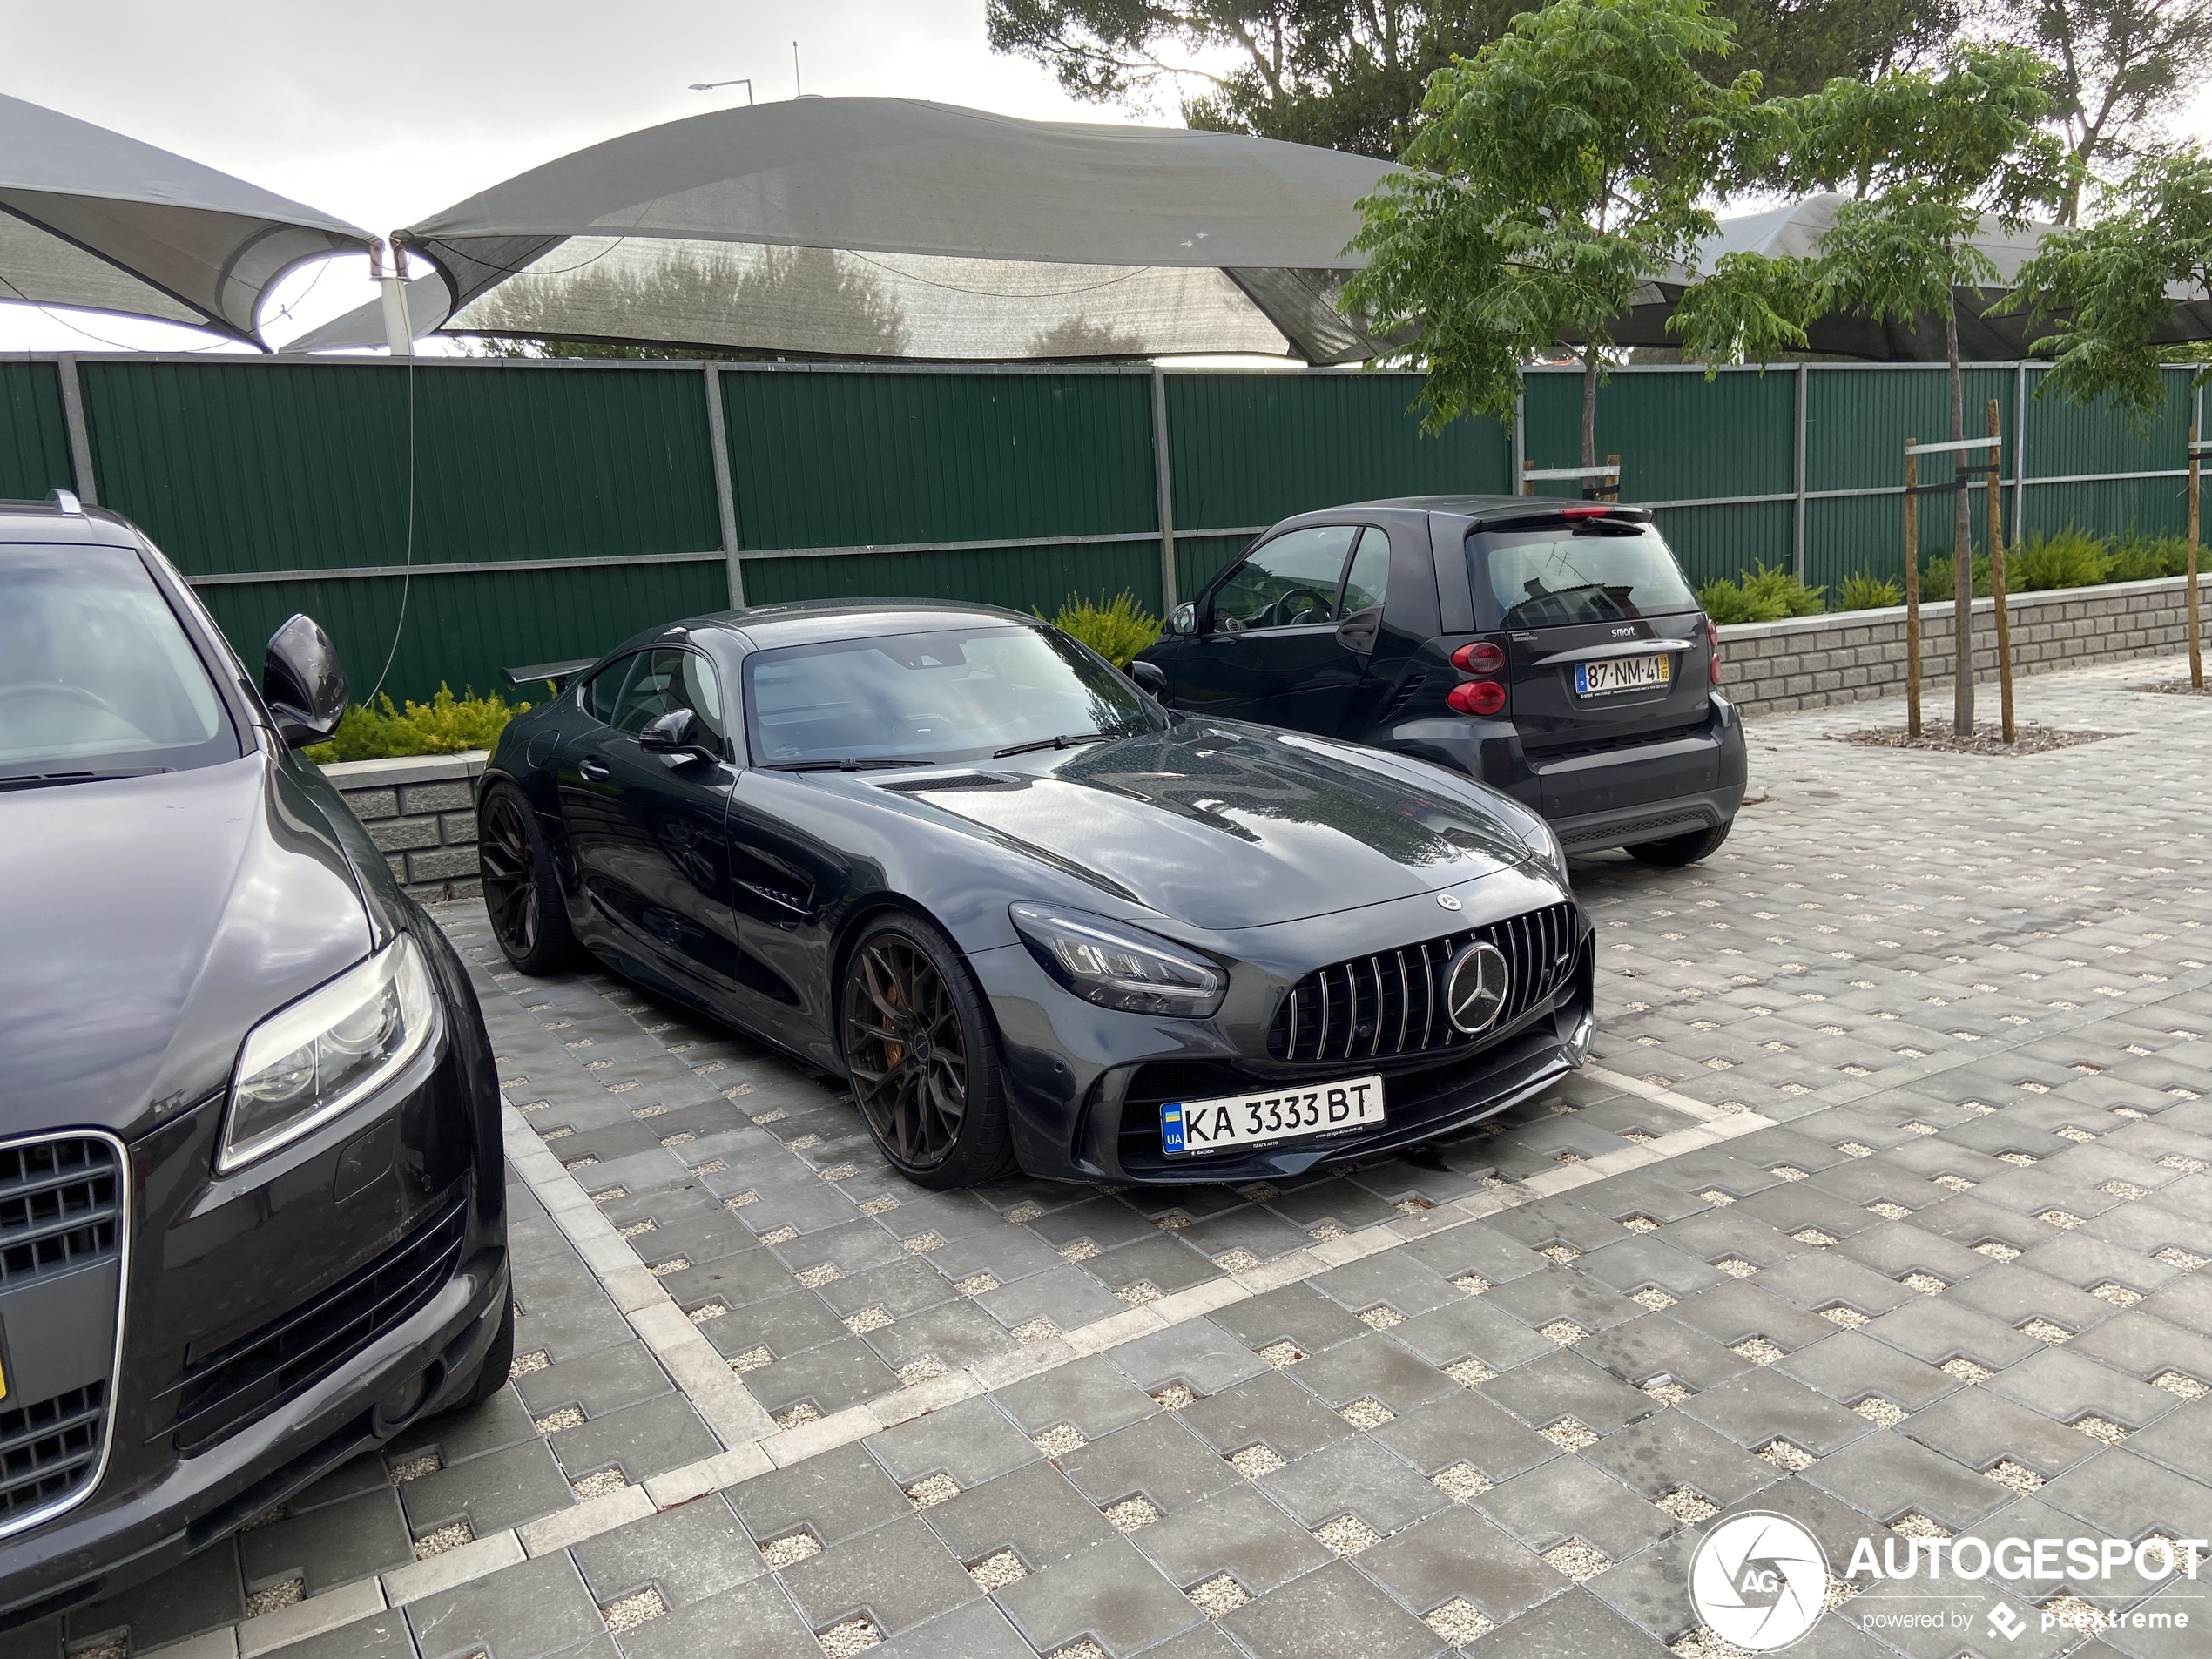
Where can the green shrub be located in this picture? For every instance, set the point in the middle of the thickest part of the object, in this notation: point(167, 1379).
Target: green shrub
point(1764, 594)
point(1938, 575)
point(2143, 559)
point(1116, 630)
point(1863, 591)
point(2069, 559)
point(446, 724)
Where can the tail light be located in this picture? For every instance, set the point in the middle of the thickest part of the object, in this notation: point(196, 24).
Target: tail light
point(1482, 658)
point(1714, 669)
point(1477, 697)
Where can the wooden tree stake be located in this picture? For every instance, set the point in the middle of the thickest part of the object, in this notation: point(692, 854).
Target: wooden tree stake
point(2196, 649)
point(1912, 592)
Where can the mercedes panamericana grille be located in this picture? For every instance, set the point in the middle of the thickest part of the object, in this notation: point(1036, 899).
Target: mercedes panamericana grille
point(1037, 920)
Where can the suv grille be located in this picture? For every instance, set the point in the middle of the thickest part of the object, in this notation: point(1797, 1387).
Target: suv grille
point(60, 1207)
point(255, 1374)
point(1392, 1003)
point(49, 1449)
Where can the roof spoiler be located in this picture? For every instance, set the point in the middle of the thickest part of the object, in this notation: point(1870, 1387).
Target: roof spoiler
point(559, 673)
point(1539, 510)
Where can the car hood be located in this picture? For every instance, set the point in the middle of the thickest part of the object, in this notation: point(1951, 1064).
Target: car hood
point(147, 924)
point(1227, 827)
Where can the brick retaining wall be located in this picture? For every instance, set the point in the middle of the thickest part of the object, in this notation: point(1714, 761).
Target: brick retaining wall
point(419, 809)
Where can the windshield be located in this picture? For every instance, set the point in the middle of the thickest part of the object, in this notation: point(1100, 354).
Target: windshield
point(960, 694)
point(96, 674)
point(1572, 571)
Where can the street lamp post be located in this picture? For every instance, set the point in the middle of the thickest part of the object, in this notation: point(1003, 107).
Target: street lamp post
point(716, 86)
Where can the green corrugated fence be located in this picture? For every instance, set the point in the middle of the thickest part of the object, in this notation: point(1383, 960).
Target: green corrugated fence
point(447, 517)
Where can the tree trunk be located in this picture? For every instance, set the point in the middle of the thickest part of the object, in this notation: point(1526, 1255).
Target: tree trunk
point(1589, 406)
point(1962, 545)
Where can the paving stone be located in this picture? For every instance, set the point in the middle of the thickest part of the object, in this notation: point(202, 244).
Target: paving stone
point(2016, 1295)
point(1850, 1366)
point(202, 1593)
point(1479, 1248)
point(899, 1575)
point(1109, 1593)
point(1564, 1384)
point(498, 1490)
point(1569, 1498)
point(1977, 1428)
point(383, 1636)
point(755, 1618)
point(1896, 1248)
point(1332, 1611)
point(977, 1630)
point(1577, 1625)
point(972, 1440)
point(534, 1607)
point(1387, 1281)
point(500, 1423)
point(2065, 1385)
point(833, 1495)
point(1372, 1366)
point(1035, 1511)
point(1357, 1476)
point(1668, 1451)
point(1658, 1347)
point(957, 1333)
point(1237, 1532)
point(2143, 1347)
point(1269, 1408)
point(1161, 1260)
point(1088, 1392)
point(833, 1376)
point(1475, 1328)
point(1629, 1264)
point(1758, 1405)
point(1558, 1293)
point(598, 1383)
point(1888, 1474)
point(1935, 1328)
point(1067, 1296)
point(641, 1440)
point(1730, 1313)
point(688, 1553)
point(1295, 1313)
point(330, 1545)
point(1466, 1428)
point(1157, 1457)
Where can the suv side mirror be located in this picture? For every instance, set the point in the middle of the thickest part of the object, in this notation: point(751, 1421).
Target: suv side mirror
point(1184, 621)
point(303, 682)
point(677, 733)
point(1151, 677)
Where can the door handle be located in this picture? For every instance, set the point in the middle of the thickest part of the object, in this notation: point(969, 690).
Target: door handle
point(594, 770)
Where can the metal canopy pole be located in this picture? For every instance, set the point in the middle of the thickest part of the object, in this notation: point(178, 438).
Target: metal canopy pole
point(726, 497)
point(1164, 480)
point(80, 437)
point(1797, 511)
point(1519, 464)
point(2020, 453)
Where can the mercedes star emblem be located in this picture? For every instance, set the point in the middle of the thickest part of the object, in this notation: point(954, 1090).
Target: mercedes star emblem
point(1448, 901)
point(1474, 986)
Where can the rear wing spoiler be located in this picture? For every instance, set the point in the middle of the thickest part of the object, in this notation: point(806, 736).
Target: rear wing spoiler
point(559, 673)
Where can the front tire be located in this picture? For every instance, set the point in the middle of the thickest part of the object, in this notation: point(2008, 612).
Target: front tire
point(521, 893)
point(922, 1056)
point(1678, 850)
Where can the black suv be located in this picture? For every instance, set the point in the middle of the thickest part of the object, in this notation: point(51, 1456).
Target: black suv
point(252, 1206)
point(1551, 650)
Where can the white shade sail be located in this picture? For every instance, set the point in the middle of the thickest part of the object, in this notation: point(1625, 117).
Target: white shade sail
point(93, 219)
point(895, 228)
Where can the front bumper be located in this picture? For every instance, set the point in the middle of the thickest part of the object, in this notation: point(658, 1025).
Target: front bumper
point(1087, 1080)
point(281, 1320)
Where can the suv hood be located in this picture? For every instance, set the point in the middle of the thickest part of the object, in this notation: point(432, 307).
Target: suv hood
point(146, 925)
point(1229, 826)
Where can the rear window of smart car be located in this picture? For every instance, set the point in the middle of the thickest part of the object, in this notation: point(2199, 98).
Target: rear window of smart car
point(1566, 571)
point(98, 677)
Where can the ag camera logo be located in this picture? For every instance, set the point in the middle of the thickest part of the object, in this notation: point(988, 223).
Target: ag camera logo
point(1759, 1580)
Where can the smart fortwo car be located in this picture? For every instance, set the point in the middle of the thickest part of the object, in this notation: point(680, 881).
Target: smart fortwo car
point(251, 1205)
point(948, 854)
point(1549, 649)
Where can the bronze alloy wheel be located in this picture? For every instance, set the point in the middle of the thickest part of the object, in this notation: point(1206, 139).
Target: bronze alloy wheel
point(509, 867)
point(906, 1050)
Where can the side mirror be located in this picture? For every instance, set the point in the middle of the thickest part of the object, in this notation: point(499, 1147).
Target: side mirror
point(677, 733)
point(1184, 621)
point(303, 682)
point(1150, 677)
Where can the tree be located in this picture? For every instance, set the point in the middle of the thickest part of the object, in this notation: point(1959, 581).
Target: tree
point(1349, 74)
point(2119, 66)
point(1926, 155)
point(1569, 162)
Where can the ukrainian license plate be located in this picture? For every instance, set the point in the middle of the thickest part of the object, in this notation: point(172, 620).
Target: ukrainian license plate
point(1188, 1126)
point(1623, 674)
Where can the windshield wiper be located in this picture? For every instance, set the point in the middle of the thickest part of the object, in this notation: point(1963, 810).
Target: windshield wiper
point(1061, 742)
point(867, 764)
point(49, 780)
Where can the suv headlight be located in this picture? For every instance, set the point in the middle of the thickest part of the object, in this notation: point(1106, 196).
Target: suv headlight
point(1117, 966)
point(306, 1063)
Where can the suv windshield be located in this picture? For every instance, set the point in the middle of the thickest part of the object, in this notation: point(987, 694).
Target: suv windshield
point(963, 693)
point(97, 676)
point(1575, 570)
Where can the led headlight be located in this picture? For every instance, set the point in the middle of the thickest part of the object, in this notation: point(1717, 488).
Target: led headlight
point(1540, 840)
point(1117, 966)
point(306, 1064)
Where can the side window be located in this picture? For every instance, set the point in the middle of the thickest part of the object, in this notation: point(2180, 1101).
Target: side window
point(1364, 584)
point(1291, 581)
point(645, 696)
point(692, 684)
point(603, 696)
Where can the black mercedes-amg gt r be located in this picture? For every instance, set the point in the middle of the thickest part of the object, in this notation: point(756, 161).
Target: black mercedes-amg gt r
point(947, 853)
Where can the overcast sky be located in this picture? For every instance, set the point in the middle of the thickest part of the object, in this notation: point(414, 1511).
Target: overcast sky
point(383, 114)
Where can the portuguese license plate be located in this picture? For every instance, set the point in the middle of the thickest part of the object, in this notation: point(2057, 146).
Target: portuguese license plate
point(1188, 1126)
point(1624, 674)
